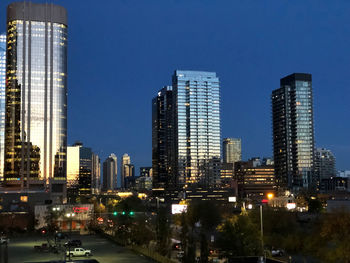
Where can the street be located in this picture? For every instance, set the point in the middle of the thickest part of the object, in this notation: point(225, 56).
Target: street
point(22, 250)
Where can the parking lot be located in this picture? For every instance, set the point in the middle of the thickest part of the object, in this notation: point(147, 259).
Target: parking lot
point(22, 250)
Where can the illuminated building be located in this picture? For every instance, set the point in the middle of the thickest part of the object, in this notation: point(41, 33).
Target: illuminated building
point(232, 150)
point(146, 171)
point(125, 170)
point(80, 171)
point(197, 145)
point(254, 181)
point(96, 174)
point(162, 138)
point(110, 172)
point(36, 98)
point(2, 101)
point(129, 175)
point(324, 164)
point(293, 132)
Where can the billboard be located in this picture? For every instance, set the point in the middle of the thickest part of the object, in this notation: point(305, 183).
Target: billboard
point(178, 209)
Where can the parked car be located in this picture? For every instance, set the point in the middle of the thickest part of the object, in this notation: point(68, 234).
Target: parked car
point(180, 254)
point(76, 252)
point(73, 243)
point(4, 240)
point(277, 252)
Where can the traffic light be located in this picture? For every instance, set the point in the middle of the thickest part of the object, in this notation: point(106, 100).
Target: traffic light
point(131, 213)
point(123, 213)
point(115, 213)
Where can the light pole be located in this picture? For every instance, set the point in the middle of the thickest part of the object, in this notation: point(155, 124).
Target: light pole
point(262, 233)
point(70, 216)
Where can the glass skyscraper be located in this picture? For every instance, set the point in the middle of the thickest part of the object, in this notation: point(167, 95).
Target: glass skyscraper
point(163, 138)
point(2, 101)
point(197, 133)
point(110, 172)
point(36, 96)
point(232, 150)
point(293, 132)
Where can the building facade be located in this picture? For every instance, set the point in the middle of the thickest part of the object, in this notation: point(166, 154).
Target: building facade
point(197, 131)
point(96, 174)
point(110, 173)
point(146, 171)
point(163, 138)
point(80, 171)
point(293, 132)
point(324, 164)
point(124, 169)
point(232, 150)
point(254, 180)
point(2, 101)
point(36, 97)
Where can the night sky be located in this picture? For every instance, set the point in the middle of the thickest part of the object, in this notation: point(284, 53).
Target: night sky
point(121, 52)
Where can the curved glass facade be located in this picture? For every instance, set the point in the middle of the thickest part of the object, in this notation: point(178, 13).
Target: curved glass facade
point(36, 101)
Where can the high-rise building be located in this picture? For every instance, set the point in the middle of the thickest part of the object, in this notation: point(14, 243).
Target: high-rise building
point(146, 171)
point(163, 138)
point(324, 164)
point(129, 176)
point(197, 133)
point(124, 171)
point(2, 101)
point(36, 97)
point(232, 150)
point(80, 170)
point(96, 174)
point(293, 132)
point(110, 172)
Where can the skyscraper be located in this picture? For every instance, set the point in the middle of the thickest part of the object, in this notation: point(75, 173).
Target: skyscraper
point(80, 172)
point(163, 138)
point(2, 101)
point(110, 172)
point(96, 174)
point(293, 132)
point(196, 100)
point(232, 150)
point(124, 169)
point(324, 164)
point(36, 97)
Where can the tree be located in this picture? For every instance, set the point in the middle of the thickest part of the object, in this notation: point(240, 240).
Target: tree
point(239, 236)
point(330, 241)
point(163, 232)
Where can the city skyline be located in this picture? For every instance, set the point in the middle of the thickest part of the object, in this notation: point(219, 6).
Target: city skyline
point(257, 141)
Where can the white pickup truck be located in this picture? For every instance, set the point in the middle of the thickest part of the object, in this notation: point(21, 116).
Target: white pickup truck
point(78, 252)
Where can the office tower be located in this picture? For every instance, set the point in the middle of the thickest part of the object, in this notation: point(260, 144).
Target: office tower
point(163, 138)
point(232, 150)
point(36, 97)
point(293, 132)
point(254, 180)
point(129, 176)
point(124, 171)
point(146, 171)
point(96, 174)
point(2, 101)
point(79, 170)
point(196, 100)
point(110, 172)
point(324, 164)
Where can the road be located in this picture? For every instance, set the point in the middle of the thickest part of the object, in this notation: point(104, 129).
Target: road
point(22, 250)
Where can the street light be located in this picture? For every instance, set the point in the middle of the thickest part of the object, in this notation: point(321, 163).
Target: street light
point(70, 216)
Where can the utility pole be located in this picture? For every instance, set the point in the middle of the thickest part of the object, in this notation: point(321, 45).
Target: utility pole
point(262, 233)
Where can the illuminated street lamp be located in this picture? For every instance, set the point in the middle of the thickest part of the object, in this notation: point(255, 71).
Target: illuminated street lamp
point(270, 196)
point(70, 216)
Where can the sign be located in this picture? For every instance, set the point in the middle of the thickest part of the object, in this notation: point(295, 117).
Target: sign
point(232, 199)
point(80, 209)
point(291, 206)
point(178, 209)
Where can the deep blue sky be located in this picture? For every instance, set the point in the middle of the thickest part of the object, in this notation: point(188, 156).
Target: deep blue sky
point(121, 52)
